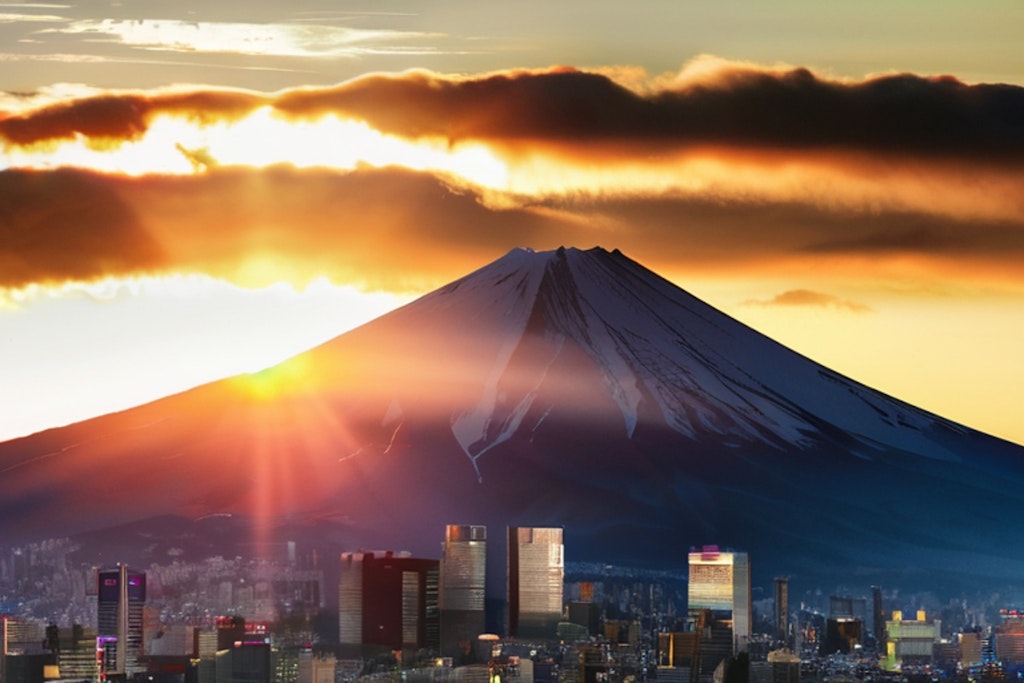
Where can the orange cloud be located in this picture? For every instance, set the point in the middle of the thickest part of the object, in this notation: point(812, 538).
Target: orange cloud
point(68, 225)
point(407, 230)
point(388, 228)
point(120, 117)
point(732, 132)
point(731, 105)
point(726, 165)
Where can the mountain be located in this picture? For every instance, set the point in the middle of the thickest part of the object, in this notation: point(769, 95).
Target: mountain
point(571, 388)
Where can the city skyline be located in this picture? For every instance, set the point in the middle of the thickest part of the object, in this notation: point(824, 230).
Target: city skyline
point(688, 627)
point(718, 602)
point(579, 389)
point(201, 188)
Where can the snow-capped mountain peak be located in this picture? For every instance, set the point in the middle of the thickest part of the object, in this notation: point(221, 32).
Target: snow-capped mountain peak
point(656, 347)
point(568, 387)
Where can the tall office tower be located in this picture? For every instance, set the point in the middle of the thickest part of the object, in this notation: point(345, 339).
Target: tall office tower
point(350, 599)
point(536, 572)
point(121, 599)
point(463, 578)
point(720, 582)
point(782, 610)
point(878, 618)
point(388, 600)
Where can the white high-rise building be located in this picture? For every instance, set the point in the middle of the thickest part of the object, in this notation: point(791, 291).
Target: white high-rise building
point(536, 572)
point(463, 583)
point(720, 582)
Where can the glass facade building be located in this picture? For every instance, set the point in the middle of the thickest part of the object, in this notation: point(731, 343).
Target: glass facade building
point(463, 583)
point(120, 604)
point(536, 572)
point(720, 582)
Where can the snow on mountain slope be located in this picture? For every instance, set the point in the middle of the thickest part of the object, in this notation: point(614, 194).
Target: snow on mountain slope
point(709, 375)
point(570, 388)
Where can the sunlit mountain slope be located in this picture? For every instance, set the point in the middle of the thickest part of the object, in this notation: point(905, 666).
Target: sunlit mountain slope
point(569, 387)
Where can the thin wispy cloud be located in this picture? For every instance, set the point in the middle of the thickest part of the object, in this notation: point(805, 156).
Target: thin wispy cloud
point(21, 17)
point(79, 58)
point(806, 297)
point(64, 57)
point(277, 40)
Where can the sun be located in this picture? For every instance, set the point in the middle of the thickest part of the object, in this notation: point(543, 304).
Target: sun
point(270, 383)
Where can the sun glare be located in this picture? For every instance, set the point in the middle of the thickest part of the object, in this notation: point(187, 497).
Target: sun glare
point(176, 145)
point(179, 145)
point(271, 382)
point(134, 340)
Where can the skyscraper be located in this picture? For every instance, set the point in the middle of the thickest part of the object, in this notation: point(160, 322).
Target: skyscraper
point(388, 600)
point(720, 582)
point(782, 610)
point(121, 599)
point(536, 572)
point(463, 578)
point(878, 618)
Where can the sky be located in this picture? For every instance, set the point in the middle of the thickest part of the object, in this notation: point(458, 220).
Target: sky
point(190, 191)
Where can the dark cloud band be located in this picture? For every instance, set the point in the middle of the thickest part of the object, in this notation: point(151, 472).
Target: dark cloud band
point(393, 228)
point(734, 106)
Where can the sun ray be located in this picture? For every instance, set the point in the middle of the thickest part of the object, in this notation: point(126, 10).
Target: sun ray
point(200, 328)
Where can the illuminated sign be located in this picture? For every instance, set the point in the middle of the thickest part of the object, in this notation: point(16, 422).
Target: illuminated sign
point(709, 553)
point(256, 628)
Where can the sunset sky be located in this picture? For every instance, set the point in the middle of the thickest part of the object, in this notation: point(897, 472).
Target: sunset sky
point(189, 191)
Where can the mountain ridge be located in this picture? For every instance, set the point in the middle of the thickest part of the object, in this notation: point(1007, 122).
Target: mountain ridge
point(571, 388)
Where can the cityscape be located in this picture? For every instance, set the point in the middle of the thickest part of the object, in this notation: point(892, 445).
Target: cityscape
point(385, 615)
point(430, 341)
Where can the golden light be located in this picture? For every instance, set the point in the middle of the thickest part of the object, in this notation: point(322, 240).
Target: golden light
point(271, 382)
point(156, 152)
point(180, 146)
point(833, 180)
point(84, 349)
point(264, 138)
